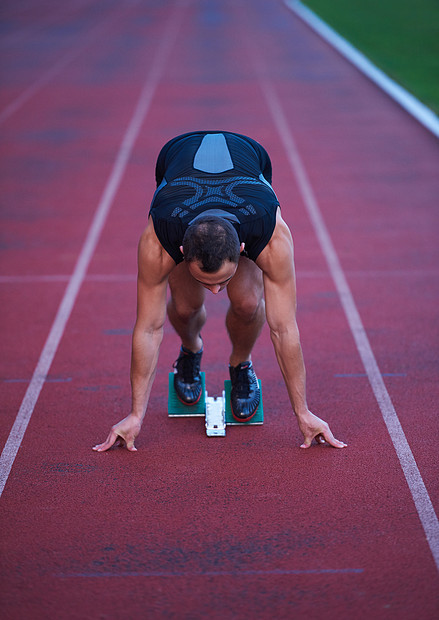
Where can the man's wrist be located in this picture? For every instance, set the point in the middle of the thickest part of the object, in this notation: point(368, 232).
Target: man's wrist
point(138, 414)
point(301, 412)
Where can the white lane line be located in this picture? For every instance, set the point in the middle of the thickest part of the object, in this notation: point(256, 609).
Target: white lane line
point(48, 353)
point(414, 479)
point(412, 105)
point(300, 273)
point(91, 36)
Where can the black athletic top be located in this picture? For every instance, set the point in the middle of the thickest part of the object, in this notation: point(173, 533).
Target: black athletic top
point(216, 173)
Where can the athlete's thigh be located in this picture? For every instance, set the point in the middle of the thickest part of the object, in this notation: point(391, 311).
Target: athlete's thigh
point(246, 288)
point(186, 292)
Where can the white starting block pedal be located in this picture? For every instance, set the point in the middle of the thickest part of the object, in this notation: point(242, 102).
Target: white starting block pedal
point(217, 411)
point(215, 416)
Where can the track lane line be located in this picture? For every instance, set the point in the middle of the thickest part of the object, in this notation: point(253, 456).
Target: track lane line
point(30, 399)
point(414, 479)
point(217, 573)
point(300, 273)
point(406, 100)
point(419, 493)
point(91, 36)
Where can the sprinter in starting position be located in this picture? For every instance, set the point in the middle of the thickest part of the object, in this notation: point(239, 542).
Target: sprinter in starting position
point(215, 224)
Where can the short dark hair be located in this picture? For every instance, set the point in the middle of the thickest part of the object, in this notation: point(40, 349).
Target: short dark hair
point(211, 241)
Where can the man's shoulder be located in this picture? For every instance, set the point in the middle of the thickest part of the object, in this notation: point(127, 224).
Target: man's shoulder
point(279, 249)
point(154, 262)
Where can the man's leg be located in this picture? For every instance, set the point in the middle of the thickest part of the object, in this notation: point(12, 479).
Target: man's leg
point(187, 315)
point(246, 314)
point(186, 310)
point(244, 321)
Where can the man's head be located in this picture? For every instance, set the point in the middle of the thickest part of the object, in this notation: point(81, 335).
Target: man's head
point(211, 250)
point(211, 241)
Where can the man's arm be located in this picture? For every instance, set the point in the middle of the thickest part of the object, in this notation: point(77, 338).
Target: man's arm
point(154, 266)
point(277, 264)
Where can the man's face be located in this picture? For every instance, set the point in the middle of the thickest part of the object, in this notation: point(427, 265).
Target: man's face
point(216, 281)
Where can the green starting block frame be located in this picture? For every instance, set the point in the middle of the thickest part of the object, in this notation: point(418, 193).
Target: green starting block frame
point(258, 418)
point(216, 411)
point(177, 409)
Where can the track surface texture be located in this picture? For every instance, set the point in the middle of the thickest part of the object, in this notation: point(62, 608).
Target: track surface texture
point(190, 527)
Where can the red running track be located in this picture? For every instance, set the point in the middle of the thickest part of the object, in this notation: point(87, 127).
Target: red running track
point(190, 527)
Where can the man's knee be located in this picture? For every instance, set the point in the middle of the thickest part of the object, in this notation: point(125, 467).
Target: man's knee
point(184, 309)
point(248, 307)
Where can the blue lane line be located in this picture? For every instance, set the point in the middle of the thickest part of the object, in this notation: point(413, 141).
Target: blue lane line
point(235, 573)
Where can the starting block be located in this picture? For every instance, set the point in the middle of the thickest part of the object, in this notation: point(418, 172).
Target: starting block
point(177, 409)
point(216, 411)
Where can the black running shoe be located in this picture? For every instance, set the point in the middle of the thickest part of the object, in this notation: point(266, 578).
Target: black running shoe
point(245, 394)
point(187, 378)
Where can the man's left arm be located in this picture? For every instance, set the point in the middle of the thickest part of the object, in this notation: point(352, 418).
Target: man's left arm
point(277, 264)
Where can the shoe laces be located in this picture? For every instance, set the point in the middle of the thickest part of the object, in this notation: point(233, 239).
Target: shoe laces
point(188, 365)
point(242, 382)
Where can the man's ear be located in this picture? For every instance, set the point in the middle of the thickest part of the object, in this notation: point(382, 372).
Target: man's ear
point(181, 250)
point(242, 247)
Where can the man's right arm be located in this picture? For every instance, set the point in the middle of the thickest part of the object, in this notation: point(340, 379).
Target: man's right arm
point(154, 266)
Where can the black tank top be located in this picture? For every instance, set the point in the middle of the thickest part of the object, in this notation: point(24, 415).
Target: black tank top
point(219, 173)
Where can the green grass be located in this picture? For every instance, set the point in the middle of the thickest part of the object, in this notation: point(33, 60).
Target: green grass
point(401, 37)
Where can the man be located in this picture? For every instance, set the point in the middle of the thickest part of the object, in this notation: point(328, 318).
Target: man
point(215, 224)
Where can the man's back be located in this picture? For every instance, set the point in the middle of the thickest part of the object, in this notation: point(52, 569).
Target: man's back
point(224, 173)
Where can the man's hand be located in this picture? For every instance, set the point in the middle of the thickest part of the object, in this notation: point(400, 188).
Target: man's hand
point(123, 433)
point(313, 427)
